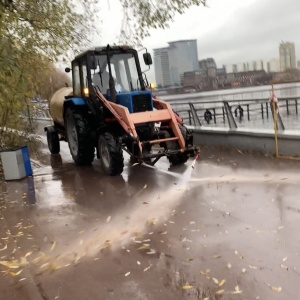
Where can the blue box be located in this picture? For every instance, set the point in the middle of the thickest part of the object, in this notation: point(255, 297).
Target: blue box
point(16, 163)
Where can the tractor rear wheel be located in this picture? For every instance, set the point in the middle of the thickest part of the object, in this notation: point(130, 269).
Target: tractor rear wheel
point(111, 154)
point(53, 142)
point(79, 138)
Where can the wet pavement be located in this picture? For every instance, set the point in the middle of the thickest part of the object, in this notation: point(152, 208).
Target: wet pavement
point(223, 227)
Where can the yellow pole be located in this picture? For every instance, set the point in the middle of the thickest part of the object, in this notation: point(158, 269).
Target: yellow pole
point(275, 122)
point(275, 131)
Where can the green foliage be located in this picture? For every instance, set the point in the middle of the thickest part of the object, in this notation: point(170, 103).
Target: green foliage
point(155, 13)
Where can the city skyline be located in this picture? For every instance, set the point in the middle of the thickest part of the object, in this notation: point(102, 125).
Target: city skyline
point(183, 53)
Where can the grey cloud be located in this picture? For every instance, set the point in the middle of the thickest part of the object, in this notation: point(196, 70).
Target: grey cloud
point(254, 33)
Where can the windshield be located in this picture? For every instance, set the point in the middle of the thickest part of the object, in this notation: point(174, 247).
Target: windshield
point(123, 69)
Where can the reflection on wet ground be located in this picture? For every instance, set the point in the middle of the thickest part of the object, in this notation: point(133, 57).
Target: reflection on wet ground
point(223, 227)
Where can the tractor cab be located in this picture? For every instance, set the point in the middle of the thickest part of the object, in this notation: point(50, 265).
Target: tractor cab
point(115, 71)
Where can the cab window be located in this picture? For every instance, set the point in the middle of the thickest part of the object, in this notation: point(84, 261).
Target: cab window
point(76, 79)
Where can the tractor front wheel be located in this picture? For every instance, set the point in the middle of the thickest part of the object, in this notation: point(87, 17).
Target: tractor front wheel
point(111, 154)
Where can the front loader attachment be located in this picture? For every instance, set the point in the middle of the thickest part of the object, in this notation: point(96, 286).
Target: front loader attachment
point(170, 134)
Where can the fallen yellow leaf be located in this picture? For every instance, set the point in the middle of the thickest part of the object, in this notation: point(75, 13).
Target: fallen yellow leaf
point(145, 246)
point(4, 248)
point(186, 287)
point(276, 289)
point(283, 266)
point(28, 253)
point(146, 269)
point(220, 292)
point(127, 274)
point(53, 246)
point(237, 290)
point(145, 186)
point(10, 264)
point(252, 267)
point(15, 274)
point(44, 265)
point(216, 281)
point(222, 282)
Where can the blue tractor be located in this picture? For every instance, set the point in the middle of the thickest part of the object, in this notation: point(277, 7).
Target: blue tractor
point(111, 109)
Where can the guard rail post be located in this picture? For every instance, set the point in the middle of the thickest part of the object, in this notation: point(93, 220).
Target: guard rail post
point(215, 120)
point(230, 118)
point(194, 115)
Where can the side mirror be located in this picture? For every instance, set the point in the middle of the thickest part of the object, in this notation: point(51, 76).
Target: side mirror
point(67, 70)
point(147, 58)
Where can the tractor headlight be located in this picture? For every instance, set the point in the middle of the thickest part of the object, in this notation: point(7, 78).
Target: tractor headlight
point(86, 91)
point(152, 85)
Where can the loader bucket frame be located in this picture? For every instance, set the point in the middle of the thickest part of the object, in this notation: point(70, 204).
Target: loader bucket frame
point(163, 113)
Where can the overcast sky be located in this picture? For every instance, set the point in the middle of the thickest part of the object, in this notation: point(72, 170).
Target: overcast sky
point(230, 31)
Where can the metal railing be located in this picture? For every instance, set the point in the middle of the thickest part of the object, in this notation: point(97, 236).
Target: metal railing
point(254, 113)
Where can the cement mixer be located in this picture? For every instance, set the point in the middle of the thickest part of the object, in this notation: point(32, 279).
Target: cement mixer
point(110, 109)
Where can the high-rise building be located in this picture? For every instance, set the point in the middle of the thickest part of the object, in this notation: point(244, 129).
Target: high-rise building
point(171, 62)
point(273, 65)
point(287, 56)
point(162, 67)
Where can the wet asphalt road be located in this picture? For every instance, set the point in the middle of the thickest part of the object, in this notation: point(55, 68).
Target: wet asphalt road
point(223, 227)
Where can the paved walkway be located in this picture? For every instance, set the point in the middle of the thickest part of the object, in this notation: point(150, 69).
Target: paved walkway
point(223, 227)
